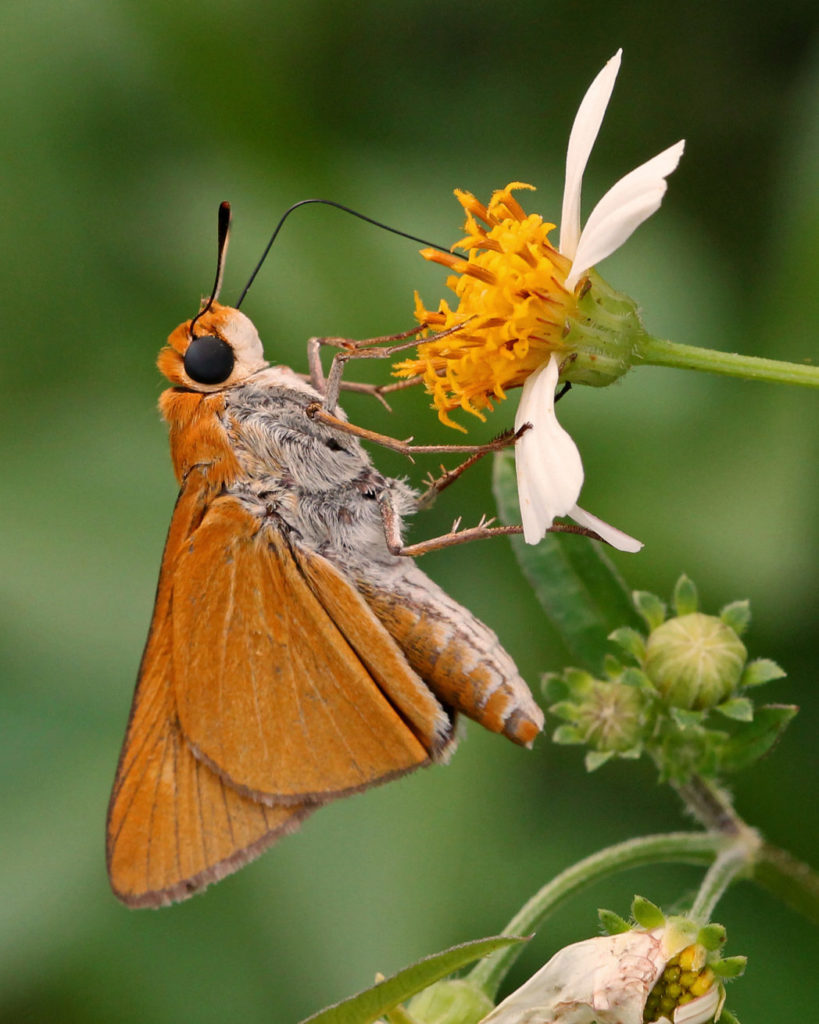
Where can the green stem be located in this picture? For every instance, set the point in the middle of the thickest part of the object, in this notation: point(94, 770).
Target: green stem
point(685, 847)
point(789, 879)
point(731, 862)
point(657, 352)
point(711, 806)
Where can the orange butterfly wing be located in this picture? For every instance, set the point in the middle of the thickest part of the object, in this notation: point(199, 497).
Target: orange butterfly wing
point(289, 696)
point(173, 825)
point(267, 688)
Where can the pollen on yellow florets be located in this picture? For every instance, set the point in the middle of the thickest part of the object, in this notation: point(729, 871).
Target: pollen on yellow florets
point(686, 977)
point(512, 301)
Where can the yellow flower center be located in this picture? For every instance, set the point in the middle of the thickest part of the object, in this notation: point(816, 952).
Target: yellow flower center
point(685, 977)
point(512, 303)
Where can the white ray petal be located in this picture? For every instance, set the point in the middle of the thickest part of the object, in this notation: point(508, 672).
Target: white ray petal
point(610, 534)
point(549, 468)
point(622, 209)
point(586, 125)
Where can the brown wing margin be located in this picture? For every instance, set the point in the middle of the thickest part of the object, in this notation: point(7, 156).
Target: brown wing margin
point(173, 825)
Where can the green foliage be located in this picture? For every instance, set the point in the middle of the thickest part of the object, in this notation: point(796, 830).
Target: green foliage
point(126, 125)
point(369, 1005)
point(662, 708)
point(575, 582)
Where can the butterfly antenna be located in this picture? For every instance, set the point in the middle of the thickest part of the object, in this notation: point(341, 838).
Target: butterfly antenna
point(222, 244)
point(338, 206)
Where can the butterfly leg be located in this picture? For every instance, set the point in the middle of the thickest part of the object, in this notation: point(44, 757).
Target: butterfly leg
point(371, 348)
point(317, 411)
point(483, 531)
point(374, 348)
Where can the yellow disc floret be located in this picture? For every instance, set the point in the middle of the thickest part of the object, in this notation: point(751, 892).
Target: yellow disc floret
point(512, 303)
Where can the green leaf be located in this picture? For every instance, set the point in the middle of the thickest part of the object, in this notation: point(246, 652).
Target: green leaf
point(756, 738)
point(685, 596)
point(581, 592)
point(369, 1005)
point(739, 708)
point(760, 671)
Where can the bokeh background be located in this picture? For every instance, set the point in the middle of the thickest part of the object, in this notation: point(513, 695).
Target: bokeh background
point(124, 125)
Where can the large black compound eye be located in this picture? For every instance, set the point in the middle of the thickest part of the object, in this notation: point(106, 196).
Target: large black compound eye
point(209, 360)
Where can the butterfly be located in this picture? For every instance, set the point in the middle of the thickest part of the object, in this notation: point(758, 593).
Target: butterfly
point(292, 657)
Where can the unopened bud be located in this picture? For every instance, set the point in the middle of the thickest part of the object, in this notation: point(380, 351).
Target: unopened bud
point(695, 660)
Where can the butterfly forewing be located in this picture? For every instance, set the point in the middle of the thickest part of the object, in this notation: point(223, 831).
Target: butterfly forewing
point(173, 824)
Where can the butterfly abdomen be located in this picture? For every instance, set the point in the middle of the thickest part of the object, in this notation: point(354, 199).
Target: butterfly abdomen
point(457, 656)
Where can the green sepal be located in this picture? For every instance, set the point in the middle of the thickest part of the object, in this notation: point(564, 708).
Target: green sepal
point(369, 1005)
point(578, 680)
point(631, 641)
point(712, 936)
point(578, 587)
point(729, 967)
point(760, 671)
point(755, 739)
point(567, 736)
point(613, 923)
point(686, 719)
point(597, 758)
point(647, 914)
point(737, 615)
point(726, 1017)
point(637, 678)
point(565, 709)
point(650, 608)
point(451, 1001)
point(739, 708)
point(612, 667)
point(553, 687)
point(399, 1015)
point(685, 599)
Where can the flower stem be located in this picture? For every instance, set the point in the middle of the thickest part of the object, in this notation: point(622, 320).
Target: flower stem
point(685, 847)
point(731, 862)
point(657, 352)
point(711, 806)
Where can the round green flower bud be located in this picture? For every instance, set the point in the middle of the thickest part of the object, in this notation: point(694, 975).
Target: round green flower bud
point(612, 716)
point(695, 660)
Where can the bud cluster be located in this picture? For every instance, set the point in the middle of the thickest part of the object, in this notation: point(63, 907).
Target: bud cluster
point(679, 692)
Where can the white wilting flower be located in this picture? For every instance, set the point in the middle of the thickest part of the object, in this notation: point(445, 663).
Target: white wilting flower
point(659, 976)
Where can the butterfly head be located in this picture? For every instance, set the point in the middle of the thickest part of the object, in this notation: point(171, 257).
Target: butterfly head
point(219, 349)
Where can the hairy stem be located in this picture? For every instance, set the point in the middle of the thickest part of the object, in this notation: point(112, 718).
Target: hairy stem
point(681, 847)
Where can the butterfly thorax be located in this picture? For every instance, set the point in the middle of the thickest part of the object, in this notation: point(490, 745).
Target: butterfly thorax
point(289, 471)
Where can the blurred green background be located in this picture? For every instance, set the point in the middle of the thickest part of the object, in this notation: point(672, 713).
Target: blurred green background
point(125, 123)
